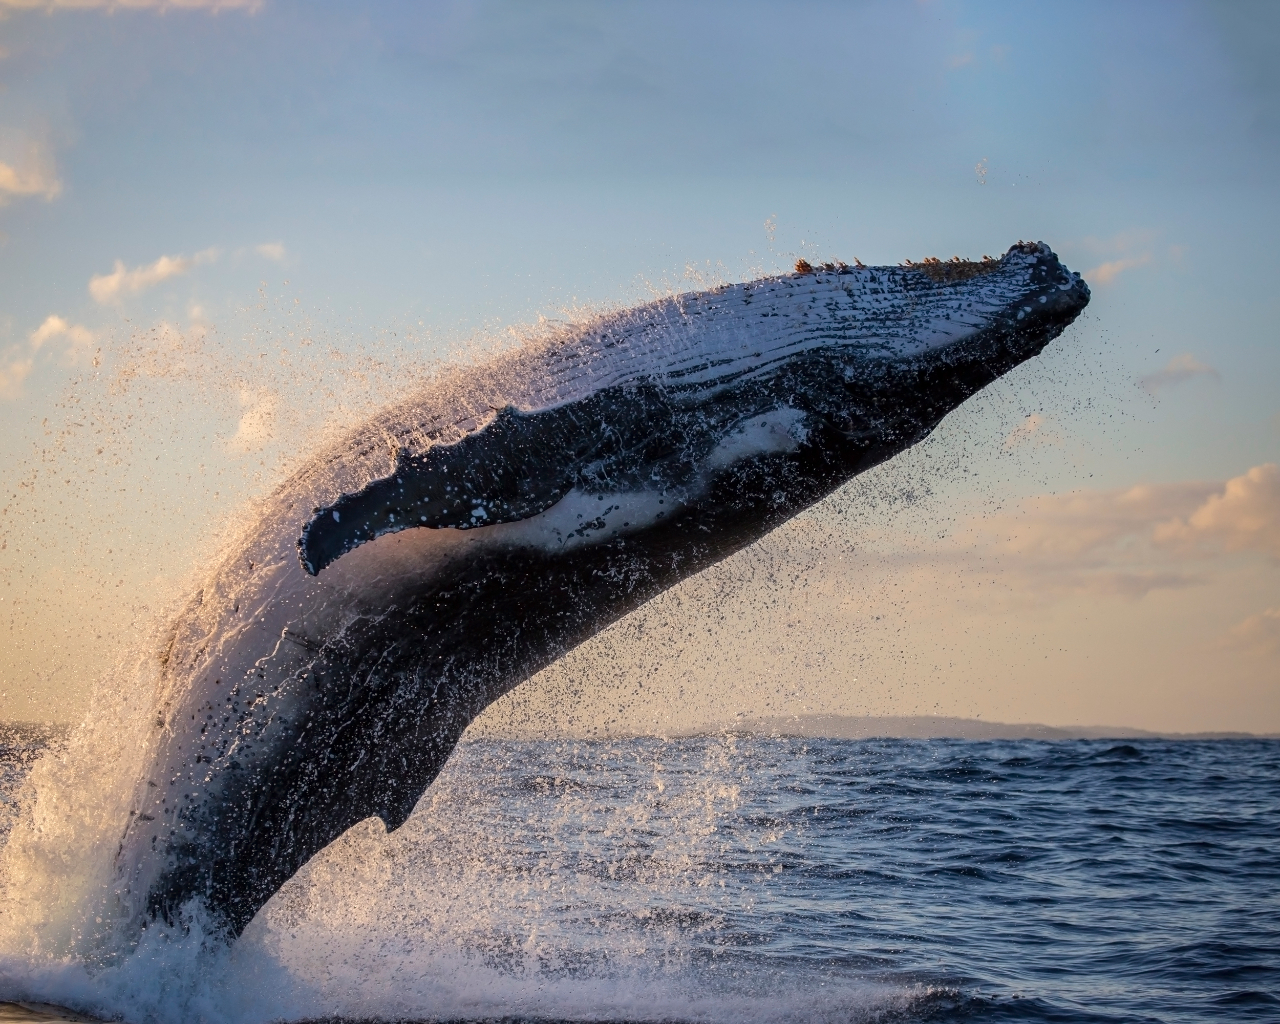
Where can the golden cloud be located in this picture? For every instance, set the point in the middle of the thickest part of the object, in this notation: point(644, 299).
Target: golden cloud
point(257, 422)
point(111, 287)
point(271, 250)
point(33, 176)
point(1129, 542)
point(1258, 634)
point(1106, 273)
point(1244, 517)
point(1180, 368)
point(14, 368)
point(54, 327)
point(75, 340)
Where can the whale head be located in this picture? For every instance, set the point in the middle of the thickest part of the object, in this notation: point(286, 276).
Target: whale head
point(650, 405)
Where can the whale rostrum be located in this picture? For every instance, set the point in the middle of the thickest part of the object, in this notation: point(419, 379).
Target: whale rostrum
point(457, 543)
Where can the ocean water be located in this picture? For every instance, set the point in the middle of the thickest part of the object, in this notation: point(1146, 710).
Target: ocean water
point(743, 879)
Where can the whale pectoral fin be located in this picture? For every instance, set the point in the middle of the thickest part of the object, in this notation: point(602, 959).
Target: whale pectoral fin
point(515, 467)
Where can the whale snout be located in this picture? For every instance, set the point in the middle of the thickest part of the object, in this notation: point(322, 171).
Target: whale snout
point(1050, 297)
point(1054, 285)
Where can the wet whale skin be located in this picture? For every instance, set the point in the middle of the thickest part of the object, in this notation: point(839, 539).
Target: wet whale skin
point(461, 541)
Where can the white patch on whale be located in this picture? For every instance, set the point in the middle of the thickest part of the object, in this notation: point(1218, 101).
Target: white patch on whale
point(587, 517)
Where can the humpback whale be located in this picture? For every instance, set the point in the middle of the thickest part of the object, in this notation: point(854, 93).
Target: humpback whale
point(413, 572)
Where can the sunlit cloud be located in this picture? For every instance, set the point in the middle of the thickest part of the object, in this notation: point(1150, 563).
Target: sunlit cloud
point(1126, 241)
point(1127, 543)
point(121, 281)
point(1083, 523)
point(160, 6)
point(1245, 516)
point(15, 365)
point(74, 340)
point(1106, 273)
point(271, 250)
point(257, 424)
point(1179, 369)
point(1258, 634)
point(34, 175)
point(1033, 430)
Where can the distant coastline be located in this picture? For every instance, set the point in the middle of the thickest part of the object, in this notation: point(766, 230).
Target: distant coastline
point(936, 727)
point(854, 727)
point(836, 727)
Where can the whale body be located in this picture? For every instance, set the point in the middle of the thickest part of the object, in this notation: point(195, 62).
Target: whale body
point(461, 541)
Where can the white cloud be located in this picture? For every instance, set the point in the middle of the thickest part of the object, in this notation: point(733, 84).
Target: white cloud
point(33, 175)
point(75, 340)
point(1106, 273)
point(250, 6)
point(14, 367)
point(1122, 241)
point(257, 423)
point(271, 250)
point(1083, 523)
point(77, 336)
point(1033, 430)
point(1127, 543)
point(1179, 369)
point(1244, 517)
point(111, 287)
point(1259, 634)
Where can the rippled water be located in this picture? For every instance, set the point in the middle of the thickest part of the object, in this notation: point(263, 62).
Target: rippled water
point(758, 879)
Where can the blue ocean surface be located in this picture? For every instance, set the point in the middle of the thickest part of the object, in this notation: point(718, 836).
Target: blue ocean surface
point(747, 878)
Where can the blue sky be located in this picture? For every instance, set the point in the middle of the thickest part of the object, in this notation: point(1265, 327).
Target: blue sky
point(391, 181)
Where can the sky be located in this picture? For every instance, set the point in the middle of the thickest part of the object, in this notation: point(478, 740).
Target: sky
point(227, 228)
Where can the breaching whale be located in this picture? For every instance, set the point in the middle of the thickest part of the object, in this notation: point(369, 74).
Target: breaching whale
point(455, 544)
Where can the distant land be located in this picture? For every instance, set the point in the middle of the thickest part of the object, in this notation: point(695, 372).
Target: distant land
point(34, 735)
point(936, 727)
point(852, 727)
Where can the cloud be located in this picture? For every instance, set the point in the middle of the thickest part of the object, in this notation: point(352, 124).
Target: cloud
point(110, 287)
point(1244, 517)
point(1106, 273)
point(78, 338)
point(1127, 543)
point(271, 250)
point(1081, 524)
point(14, 367)
point(1180, 368)
point(1258, 634)
point(249, 6)
point(1032, 430)
point(75, 340)
point(257, 424)
point(34, 175)
point(1122, 241)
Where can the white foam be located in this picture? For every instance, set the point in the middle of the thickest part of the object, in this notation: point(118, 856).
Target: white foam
point(609, 904)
